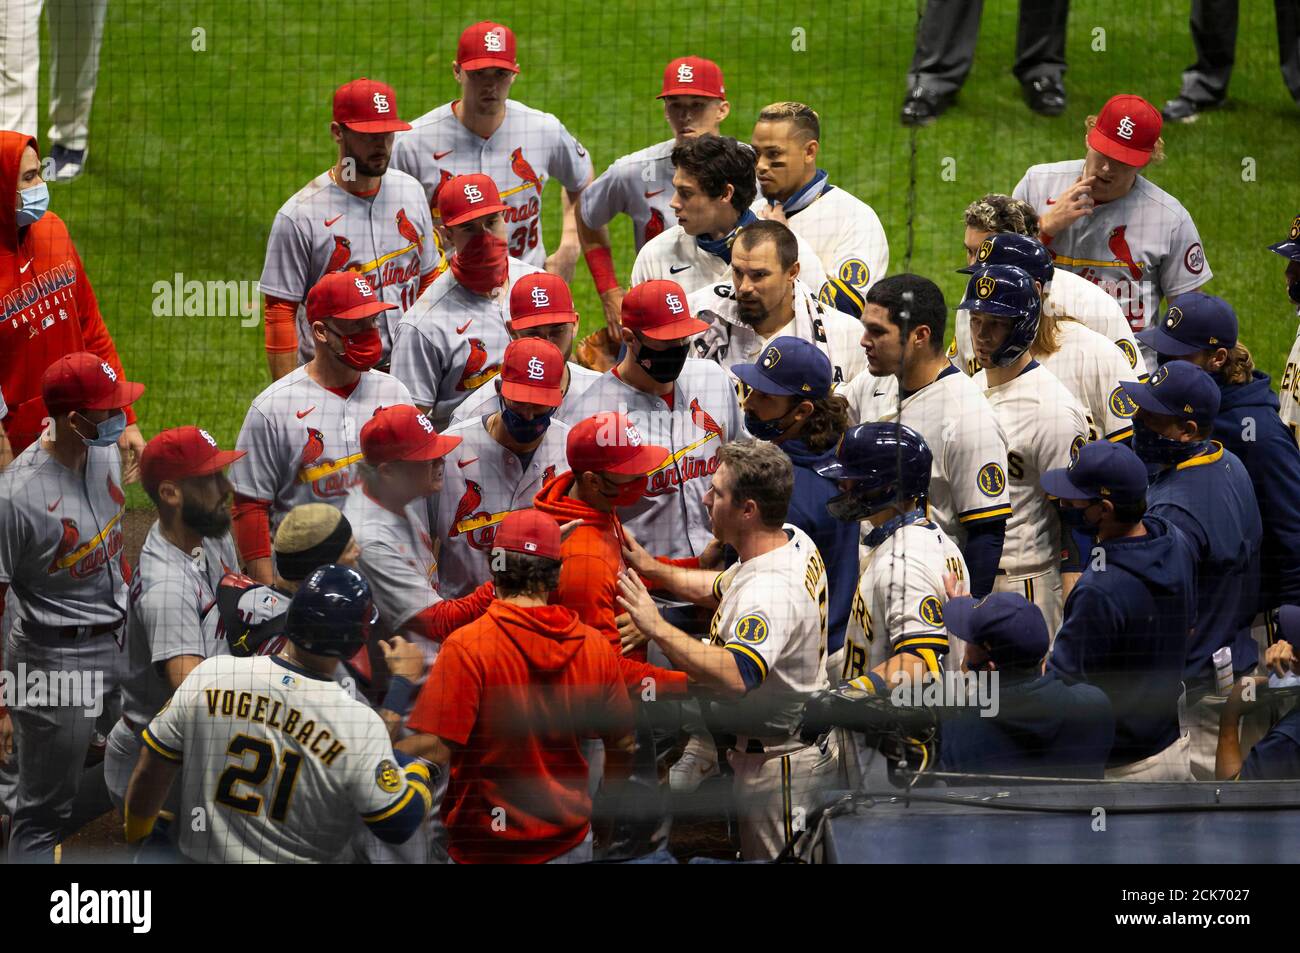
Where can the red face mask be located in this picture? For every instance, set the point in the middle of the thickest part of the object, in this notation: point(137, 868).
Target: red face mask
point(481, 266)
point(628, 493)
point(361, 351)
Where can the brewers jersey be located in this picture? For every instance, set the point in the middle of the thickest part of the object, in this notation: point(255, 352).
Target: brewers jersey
point(61, 539)
point(452, 342)
point(1045, 427)
point(302, 440)
point(968, 480)
point(528, 148)
point(773, 614)
point(486, 400)
point(676, 256)
point(730, 341)
point(388, 237)
point(281, 760)
point(898, 606)
point(483, 482)
point(640, 186)
point(670, 520)
point(1289, 390)
point(1139, 248)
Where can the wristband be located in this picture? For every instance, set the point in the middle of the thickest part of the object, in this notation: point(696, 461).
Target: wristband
point(400, 697)
point(601, 263)
point(136, 828)
point(1045, 238)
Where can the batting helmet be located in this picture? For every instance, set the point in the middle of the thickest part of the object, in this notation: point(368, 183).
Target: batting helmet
point(1006, 291)
point(1291, 247)
point(886, 462)
point(331, 614)
point(1008, 248)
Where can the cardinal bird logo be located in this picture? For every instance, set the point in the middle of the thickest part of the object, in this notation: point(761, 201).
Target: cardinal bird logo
point(700, 417)
point(407, 230)
point(467, 507)
point(655, 226)
point(1119, 248)
point(548, 474)
point(477, 370)
point(340, 255)
point(314, 448)
point(520, 167)
point(114, 493)
point(67, 544)
point(433, 202)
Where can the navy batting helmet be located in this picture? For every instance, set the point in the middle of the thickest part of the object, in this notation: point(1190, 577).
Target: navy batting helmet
point(331, 614)
point(1291, 247)
point(1008, 248)
point(1006, 291)
point(886, 461)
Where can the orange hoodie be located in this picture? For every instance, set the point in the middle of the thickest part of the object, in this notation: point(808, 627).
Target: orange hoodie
point(49, 307)
point(592, 559)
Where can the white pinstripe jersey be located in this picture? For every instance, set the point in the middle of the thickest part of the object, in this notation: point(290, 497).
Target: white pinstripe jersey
point(1289, 389)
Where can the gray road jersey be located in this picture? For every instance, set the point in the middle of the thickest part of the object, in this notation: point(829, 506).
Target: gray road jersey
point(640, 186)
point(486, 400)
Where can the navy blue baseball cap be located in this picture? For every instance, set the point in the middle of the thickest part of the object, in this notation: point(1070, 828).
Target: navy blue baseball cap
point(1008, 248)
point(1194, 322)
point(1177, 389)
point(1005, 624)
point(1291, 247)
point(789, 367)
point(1102, 471)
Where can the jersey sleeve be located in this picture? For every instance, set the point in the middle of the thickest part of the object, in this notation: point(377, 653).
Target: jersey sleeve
point(858, 261)
point(811, 271)
point(13, 537)
point(166, 733)
point(1063, 436)
point(1117, 420)
point(976, 464)
point(169, 612)
point(1184, 268)
point(417, 364)
point(914, 611)
point(604, 198)
point(431, 256)
point(400, 589)
point(257, 474)
point(288, 257)
point(376, 785)
point(448, 704)
point(762, 628)
point(570, 162)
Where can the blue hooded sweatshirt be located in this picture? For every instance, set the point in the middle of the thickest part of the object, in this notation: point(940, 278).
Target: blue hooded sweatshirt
point(1125, 631)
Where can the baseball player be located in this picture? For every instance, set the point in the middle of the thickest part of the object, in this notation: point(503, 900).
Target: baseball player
point(311, 535)
point(766, 299)
point(909, 379)
point(713, 189)
point(1289, 389)
point(541, 307)
point(842, 229)
point(896, 622)
point(65, 576)
point(1065, 294)
point(173, 622)
point(685, 404)
point(639, 185)
point(1087, 363)
point(359, 216)
point(519, 148)
point(451, 343)
point(502, 461)
point(1044, 425)
point(277, 756)
point(301, 434)
point(767, 649)
point(1104, 221)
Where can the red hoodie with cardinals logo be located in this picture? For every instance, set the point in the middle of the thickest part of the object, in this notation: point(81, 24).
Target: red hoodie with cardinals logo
point(49, 307)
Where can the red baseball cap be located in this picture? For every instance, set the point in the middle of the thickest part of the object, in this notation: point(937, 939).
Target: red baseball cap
point(487, 45)
point(345, 296)
point(367, 105)
point(401, 432)
point(532, 372)
point(1126, 130)
point(658, 310)
point(529, 532)
point(180, 453)
point(85, 381)
point(541, 298)
point(693, 76)
point(468, 197)
point(610, 443)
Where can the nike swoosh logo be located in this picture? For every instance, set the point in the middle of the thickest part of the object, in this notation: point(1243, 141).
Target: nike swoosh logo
point(24, 268)
point(439, 155)
point(304, 413)
point(461, 329)
point(51, 508)
point(460, 463)
point(676, 268)
point(331, 221)
point(651, 195)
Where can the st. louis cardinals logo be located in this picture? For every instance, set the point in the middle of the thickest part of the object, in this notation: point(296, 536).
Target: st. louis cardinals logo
point(1118, 245)
point(524, 169)
point(540, 298)
point(408, 231)
point(340, 255)
point(682, 466)
point(655, 226)
point(685, 73)
point(536, 369)
point(381, 103)
point(674, 303)
point(473, 193)
point(1125, 128)
point(477, 369)
point(477, 525)
point(493, 42)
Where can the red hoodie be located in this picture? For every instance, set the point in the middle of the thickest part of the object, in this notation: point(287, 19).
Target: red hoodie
point(49, 307)
point(515, 691)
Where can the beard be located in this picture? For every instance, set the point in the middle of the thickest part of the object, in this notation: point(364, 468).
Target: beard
point(751, 313)
point(370, 169)
point(210, 524)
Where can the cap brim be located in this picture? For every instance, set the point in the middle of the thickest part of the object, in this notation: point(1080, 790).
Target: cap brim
point(361, 311)
point(439, 446)
point(957, 616)
point(1057, 483)
point(532, 394)
point(647, 459)
point(1144, 397)
point(1159, 341)
point(541, 320)
point(688, 91)
point(218, 461)
point(988, 307)
point(831, 471)
point(488, 63)
point(473, 214)
point(1113, 150)
point(122, 395)
point(378, 125)
point(753, 376)
point(1287, 249)
point(681, 328)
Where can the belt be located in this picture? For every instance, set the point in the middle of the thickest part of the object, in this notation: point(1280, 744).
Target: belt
point(73, 631)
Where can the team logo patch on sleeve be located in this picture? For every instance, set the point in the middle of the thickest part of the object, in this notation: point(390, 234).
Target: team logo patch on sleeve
point(1130, 354)
point(1194, 259)
point(388, 777)
point(931, 612)
point(1075, 446)
point(751, 629)
point(991, 479)
point(1121, 404)
point(855, 272)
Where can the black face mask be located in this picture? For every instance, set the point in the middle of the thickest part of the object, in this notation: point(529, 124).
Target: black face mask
point(209, 524)
point(1157, 450)
point(1075, 519)
point(1293, 291)
point(664, 366)
point(521, 430)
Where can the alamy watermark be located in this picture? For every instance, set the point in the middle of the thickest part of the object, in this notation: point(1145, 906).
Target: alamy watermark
point(26, 687)
point(182, 298)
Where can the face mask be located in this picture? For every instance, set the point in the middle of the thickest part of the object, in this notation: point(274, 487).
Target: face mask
point(107, 432)
point(481, 266)
point(521, 430)
point(361, 351)
point(207, 523)
point(1293, 291)
point(767, 429)
point(1075, 519)
point(663, 366)
point(1152, 448)
point(35, 203)
point(628, 493)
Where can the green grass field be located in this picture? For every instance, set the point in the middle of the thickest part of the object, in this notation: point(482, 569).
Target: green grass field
point(193, 151)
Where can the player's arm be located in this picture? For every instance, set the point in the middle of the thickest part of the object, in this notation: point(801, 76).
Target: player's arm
point(564, 259)
point(429, 748)
point(281, 335)
point(147, 792)
point(597, 250)
point(1228, 758)
point(177, 668)
point(284, 282)
point(702, 587)
point(405, 663)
